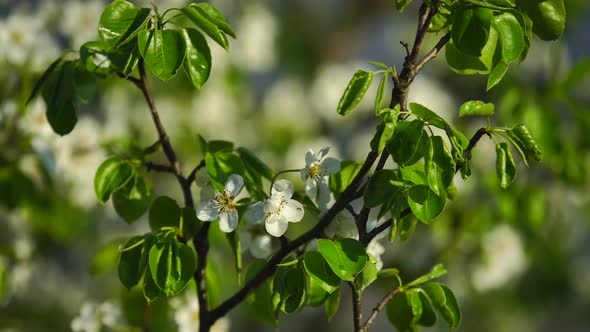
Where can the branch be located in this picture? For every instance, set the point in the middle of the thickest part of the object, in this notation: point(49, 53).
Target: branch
point(151, 166)
point(317, 231)
point(357, 309)
point(367, 237)
point(433, 53)
point(191, 177)
point(380, 306)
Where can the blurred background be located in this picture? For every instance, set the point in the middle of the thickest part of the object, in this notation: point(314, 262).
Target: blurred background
point(518, 259)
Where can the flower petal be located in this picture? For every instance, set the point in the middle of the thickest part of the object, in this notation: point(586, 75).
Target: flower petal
point(343, 226)
point(309, 158)
point(234, 185)
point(311, 188)
point(324, 195)
point(330, 166)
point(273, 204)
point(228, 220)
point(292, 211)
point(254, 214)
point(208, 210)
point(284, 187)
point(276, 228)
point(322, 153)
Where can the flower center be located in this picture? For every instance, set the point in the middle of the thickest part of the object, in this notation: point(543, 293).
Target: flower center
point(225, 200)
point(315, 170)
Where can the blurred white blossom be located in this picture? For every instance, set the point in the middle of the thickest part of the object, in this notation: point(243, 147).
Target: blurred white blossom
point(314, 174)
point(503, 259)
point(18, 35)
point(80, 20)
point(254, 50)
point(186, 315)
point(94, 316)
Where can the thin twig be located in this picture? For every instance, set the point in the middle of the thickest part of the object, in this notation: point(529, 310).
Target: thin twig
point(378, 308)
point(432, 54)
point(191, 177)
point(151, 166)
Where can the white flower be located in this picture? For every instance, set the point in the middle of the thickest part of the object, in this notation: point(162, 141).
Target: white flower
point(259, 245)
point(80, 19)
point(279, 209)
point(376, 249)
point(93, 317)
point(187, 315)
point(255, 49)
point(343, 226)
point(314, 175)
point(18, 35)
point(503, 259)
point(222, 205)
point(203, 181)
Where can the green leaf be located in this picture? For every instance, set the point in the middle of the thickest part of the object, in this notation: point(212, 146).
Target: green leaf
point(186, 263)
point(318, 269)
point(436, 272)
point(548, 17)
point(133, 201)
point(523, 138)
point(221, 165)
point(44, 77)
point(380, 92)
point(346, 257)
point(332, 304)
point(151, 291)
point(340, 181)
point(367, 276)
point(355, 91)
point(511, 36)
point(407, 226)
point(213, 15)
point(220, 146)
point(399, 312)
point(427, 115)
point(236, 245)
point(381, 187)
point(444, 302)
point(190, 224)
point(425, 204)
point(163, 51)
point(59, 95)
point(388, 273)
point(4, 280)
point(476, 108)
point(427, 314)
point(316, 294)
point(164, 212)
point(249, 158)
point(504, 3)
point(463, 63)
point(505, 165)
point(198, 57)
point(400, 5)
point(162, 265)
point(260, 300)
point(470, 30)
point(133, 260)
point(415, 173)
point(120, 21)
point(408, 142)
point(439, 165)
point(496, 74)
point(289, 289)
point(204, 21)
point(111, 176)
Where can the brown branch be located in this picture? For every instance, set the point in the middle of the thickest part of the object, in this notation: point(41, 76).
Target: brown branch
point(317, 231)
point(191, 177)
point(433, 53)
point(380, 306)
point(357, 309)
point(151, 166)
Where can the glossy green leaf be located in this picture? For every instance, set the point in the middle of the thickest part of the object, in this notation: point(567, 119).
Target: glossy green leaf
point(133, 260)
point(496, 74)
point(151, 291)
point(381, 92)
point(407, 226)
point(408, 142)
point(523, 138)
point(355, 91)
point(163, 51)
point(505, 165)
point(111, 176)
point(548, 17)
point(511, 36)
point(463, 63)
point(425, 204)
point(162, 265)
point(415, 174)
point(289, 289)
point(381, 187)
point(427, 313)
point(388, 273)
point(59, 94)
point(332, 304)
point(186, 263)
point(133, 201)
point(444, 302)
point(367, 275)
point(316, 295)
point(427, 115)
point(198, 57)
point(470, 30)
point(504, 3)
point(44, 77)
point(120, 21)
point(4, 278)
point(400, 314)
point(205, 22)
point(250, 158)
point(439, 165)
point(319, 270)
point(476, 108)
point(219, 146)
point(346, 257)
point(339, 182)
point(221, 165)
point(213, 15)
point(437, 271)
point(164, 212)
point(190, 224)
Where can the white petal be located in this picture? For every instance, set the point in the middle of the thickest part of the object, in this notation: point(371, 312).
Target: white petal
point(373, 222)
point(343, 226)
point(233, 185)
point(202, 177)
point(277, 228)
point(311, 188)
point(245, 239)
point(322, 153)
point(284, 187)
point(324, 195)
point(208, 210)
point(261, 246)
point(292, 211)
point(254, 214)
point(228, 220)
point(309, 158)
point(330, 166)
